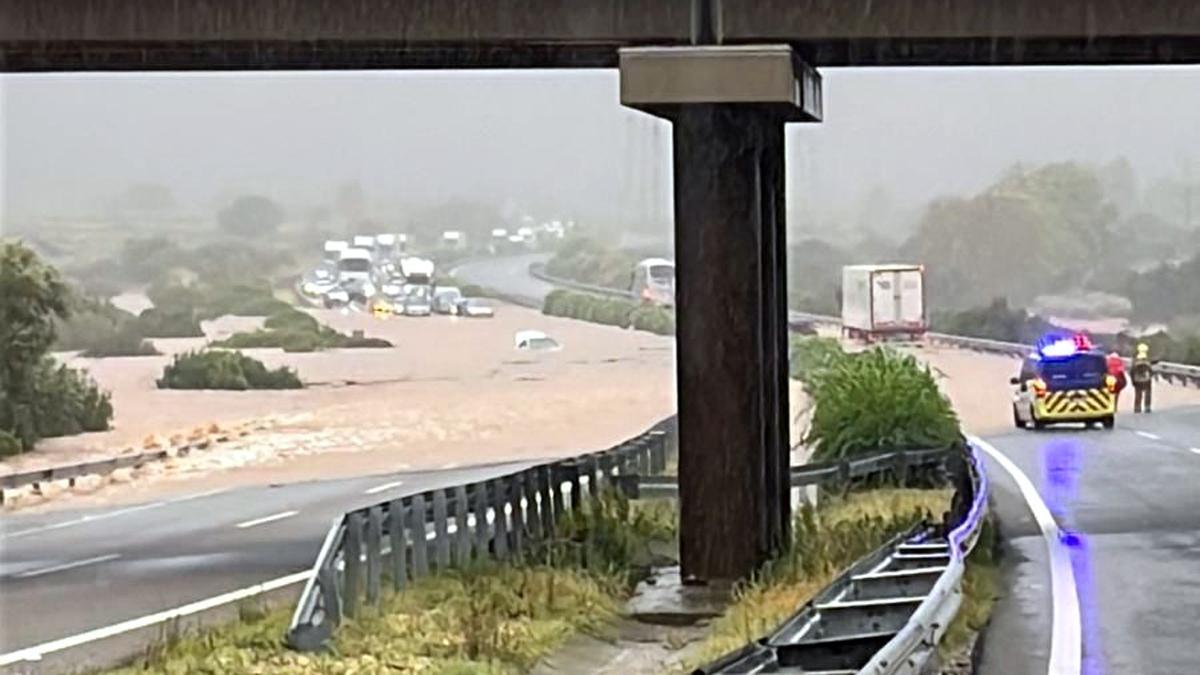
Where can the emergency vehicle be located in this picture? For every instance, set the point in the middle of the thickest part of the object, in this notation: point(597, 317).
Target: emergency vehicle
point(1064, 380)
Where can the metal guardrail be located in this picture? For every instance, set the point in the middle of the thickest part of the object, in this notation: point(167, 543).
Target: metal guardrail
point(886, 614)
point(100, 467)
point(900, 465)
point(538, 271)
point(498, 518)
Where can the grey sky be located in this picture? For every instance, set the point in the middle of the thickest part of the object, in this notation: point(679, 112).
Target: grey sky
point(557, 141)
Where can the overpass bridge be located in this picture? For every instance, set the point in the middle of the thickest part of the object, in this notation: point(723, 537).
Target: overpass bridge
point(729, 74)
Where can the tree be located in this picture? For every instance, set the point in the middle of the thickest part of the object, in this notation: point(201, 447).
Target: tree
point(251, 216)
point(31, 296)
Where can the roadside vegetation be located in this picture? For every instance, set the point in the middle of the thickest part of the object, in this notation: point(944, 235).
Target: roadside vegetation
point(871, 401)
point(97, 329)
point(490, 618)
point(39, 397)
point(293, 330)
point(220, 369)
point(609, 311)
point(825, 541)
point(981, 588)
point(590, 261)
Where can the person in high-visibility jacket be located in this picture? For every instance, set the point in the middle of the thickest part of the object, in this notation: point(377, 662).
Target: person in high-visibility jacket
point(1116, 368)
point(1142, 377)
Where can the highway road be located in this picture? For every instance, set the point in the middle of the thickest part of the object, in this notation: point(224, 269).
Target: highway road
point(69, 572)
point(1118, 589)
point(509, 276)
point(1126, 502)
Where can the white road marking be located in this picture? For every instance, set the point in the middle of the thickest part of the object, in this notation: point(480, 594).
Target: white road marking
point(68, 566)
point(198, 495)
point(385, 487)
point(1195, 450)
point(1066, 641)
point(84, 519)
point(1147, 434)
point(450, 465)
point(266, 519)
point(36, 652)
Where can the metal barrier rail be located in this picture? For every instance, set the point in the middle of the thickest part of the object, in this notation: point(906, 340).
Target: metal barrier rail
point(900, 464)
point(885, 614)
point(498, 518)
point(100, 467)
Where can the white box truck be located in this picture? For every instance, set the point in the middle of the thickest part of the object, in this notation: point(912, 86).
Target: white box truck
point(879, 301)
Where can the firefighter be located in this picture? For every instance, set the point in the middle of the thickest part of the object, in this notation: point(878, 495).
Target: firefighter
point(1142, 378)
point(1116, 368)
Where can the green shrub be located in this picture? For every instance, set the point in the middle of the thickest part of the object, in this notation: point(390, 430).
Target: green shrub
point(9, 444)
point(300, 341)
point(57, 401)
point(875, 401)
point(292, 319)
point(473, 290)
point(811, 356)
point(360, 342)
point(219, 369)
point(592, 261)
point(123, 341)
point(169, 322)
point(652, 319)
point(555, 303)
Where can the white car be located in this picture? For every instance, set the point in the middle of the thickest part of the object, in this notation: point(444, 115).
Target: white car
point(535, 340)
point(474, 308)
point(446, 299)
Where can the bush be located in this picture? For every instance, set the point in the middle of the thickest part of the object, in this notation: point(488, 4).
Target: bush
point(209, 301)
point(9, 444)
point(811, 356)
point(57, 401)
point(996, 321)
point(219, 369)
point(877, 401)
point(169, 322)
point(657, 320)
point(292, 319)
point(123, 341)
point(593, 262)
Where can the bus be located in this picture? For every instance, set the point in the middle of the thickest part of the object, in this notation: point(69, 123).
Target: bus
point(653, 281)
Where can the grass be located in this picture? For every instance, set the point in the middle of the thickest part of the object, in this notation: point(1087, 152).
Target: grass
point(489, 618)
point(826, 540)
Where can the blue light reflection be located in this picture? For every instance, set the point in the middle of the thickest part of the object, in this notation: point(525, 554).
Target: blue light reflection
point(1061, 469)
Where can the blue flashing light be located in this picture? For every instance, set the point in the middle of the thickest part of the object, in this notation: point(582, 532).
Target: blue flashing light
point(1057, 346)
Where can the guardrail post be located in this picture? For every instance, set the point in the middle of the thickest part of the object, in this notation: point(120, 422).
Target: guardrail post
point(900, 465)
point(482, 527)
point(441, 540)
point(658, 452)
point(591, 468)
point(547, 500)
point(353, 562)
point(533, 509)
point(397, 518)
point(644, 460)
point(499, 494)
point(420, 536)
point(463, 533)
point(516, 488)
point(573, 477)
point(374, 553)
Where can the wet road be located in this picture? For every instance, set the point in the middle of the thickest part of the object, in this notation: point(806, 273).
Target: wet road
point(68, 572)
point(509, 275)
point(1128, 504)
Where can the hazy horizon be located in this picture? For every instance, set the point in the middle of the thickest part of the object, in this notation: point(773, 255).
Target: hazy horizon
point(558, 144)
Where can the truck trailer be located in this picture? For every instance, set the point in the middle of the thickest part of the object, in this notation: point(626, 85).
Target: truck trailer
point(883, 301)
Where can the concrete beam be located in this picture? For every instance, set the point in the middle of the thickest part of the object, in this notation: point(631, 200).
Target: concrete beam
point(660, 79)
point(48, 35)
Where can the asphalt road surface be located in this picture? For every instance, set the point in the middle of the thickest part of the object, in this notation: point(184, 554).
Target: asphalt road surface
point(1127, 503)
point(509, 275)
point(68, 572)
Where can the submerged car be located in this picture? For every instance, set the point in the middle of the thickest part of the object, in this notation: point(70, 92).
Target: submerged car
point(474, 307)
point(535, 340)
point(417, 304)
point(446, 299)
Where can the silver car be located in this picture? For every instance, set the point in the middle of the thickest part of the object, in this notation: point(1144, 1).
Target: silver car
point(474, 308)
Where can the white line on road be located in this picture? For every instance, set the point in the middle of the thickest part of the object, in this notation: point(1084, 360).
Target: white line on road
point(1066, 639)
point(1147, 434)
point(68, 566)
point(1195, 450)
point(36, 652)
point(84, 519)
point(385, 487)
point(266, 519)
point(450, 465)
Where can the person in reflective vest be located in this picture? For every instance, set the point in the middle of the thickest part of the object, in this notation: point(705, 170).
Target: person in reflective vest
point(1142, 377)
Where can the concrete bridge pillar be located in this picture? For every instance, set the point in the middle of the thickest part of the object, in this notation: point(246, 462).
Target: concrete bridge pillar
point(728, 107)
